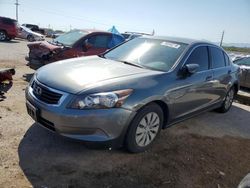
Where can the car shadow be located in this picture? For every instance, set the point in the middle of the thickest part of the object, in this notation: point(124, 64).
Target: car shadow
point(11, 41)
point(27, 77)
point(214, 124)
point(50, 160)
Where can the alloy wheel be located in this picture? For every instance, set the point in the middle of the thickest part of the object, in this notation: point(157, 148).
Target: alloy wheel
point(147, 129)
point(2, 36)
point(229, 99)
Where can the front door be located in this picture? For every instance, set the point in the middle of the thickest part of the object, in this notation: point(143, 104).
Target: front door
point(95, 45)
point(194, 92)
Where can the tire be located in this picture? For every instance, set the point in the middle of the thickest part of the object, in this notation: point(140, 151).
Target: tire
point(30, 38)
point(144, 128)
point(3, 36)
point(227, 103)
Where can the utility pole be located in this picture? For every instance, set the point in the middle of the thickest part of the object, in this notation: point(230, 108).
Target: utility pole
point(17, 4)
point(222, 36)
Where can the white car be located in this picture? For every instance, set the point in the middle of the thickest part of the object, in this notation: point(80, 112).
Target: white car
point(26, 33)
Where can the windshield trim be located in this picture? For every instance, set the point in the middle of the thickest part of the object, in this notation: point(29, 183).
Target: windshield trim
point(72, 44)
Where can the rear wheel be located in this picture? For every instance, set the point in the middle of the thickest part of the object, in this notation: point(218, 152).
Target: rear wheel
point(3, 36)
point(8, 39)
point(227, 103)
point(144, 128)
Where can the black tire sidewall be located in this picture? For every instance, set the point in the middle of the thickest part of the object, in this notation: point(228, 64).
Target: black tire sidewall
point(4, 35)
point(130, 141)
point(30, 38)
point(223, 109)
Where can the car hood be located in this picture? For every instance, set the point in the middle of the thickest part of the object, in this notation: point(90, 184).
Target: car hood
point(77, 74)
point(40, 49)
point(35, 33)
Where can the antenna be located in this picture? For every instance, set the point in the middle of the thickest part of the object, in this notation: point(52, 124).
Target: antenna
point(222, 36)
point(17, 4)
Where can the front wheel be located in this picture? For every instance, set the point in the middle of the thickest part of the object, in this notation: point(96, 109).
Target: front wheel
point(227, 103)
point(30, 38)
point(144, 128)
point(3, 36)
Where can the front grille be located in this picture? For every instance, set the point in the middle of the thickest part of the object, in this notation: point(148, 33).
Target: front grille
point(49, 125)
point(44, 94)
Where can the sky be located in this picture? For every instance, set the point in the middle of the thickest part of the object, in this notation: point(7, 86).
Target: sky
point(195, 19)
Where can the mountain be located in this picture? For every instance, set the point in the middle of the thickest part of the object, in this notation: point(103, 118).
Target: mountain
point(240, 45)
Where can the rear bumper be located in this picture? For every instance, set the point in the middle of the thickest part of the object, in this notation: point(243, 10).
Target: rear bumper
point(106, 126)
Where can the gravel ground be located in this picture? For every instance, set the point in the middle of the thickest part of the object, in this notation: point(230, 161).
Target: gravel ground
point(210, 150)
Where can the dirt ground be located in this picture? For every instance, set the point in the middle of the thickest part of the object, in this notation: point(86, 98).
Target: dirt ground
point(210, 150)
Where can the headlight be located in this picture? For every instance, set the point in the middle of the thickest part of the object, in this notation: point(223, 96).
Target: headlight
point(112, 99)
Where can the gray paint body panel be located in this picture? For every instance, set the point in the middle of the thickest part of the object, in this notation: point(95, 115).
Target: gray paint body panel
point(184, 96)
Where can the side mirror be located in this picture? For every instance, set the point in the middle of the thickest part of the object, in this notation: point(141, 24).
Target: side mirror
point(190, 68)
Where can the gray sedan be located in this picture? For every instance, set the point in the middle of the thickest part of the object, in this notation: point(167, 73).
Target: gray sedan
point(129, 94)
point(244, 64)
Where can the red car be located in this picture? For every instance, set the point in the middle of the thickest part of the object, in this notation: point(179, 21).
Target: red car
point(75, 43)
point(8, 28)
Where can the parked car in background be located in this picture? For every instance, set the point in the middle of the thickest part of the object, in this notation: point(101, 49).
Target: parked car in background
point(75, 43)
point(131, 35)
point(34, 28)
point(26, 33)
point(48, 32)
point(244, 64)
point(8, 28)
point(57, 33)
point(236, 56)
point(128, 94)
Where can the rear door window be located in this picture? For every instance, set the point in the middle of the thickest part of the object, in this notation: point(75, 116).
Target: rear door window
point(99, 41)
point(227, 60)
point(199, 56)
point(217, 57)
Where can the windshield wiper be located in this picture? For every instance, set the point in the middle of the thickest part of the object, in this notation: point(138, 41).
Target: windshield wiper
point(133, 64)
point(101, 56)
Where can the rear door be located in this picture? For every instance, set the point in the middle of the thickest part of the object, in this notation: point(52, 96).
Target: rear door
point(221, 72)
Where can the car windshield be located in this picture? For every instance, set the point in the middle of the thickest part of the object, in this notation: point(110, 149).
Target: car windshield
point(150, 53)
point(68, 39)
point(243, 61)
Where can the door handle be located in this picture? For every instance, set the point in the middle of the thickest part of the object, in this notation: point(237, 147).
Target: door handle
point(209, 78)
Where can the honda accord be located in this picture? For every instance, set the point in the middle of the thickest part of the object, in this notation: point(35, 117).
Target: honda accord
point(127, 95)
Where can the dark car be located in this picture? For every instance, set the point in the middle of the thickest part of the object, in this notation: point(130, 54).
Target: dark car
point(127, 95)
point(244, 64)
point(75, 43)
point(8, 28)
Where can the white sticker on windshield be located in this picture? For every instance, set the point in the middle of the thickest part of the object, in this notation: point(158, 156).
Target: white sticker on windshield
point(170, 44)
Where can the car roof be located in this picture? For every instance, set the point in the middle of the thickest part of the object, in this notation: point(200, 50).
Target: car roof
point(95, 31)
point(1, 17)
point(179, 39)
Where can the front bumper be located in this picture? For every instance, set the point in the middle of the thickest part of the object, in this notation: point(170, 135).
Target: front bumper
point(99, 125)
